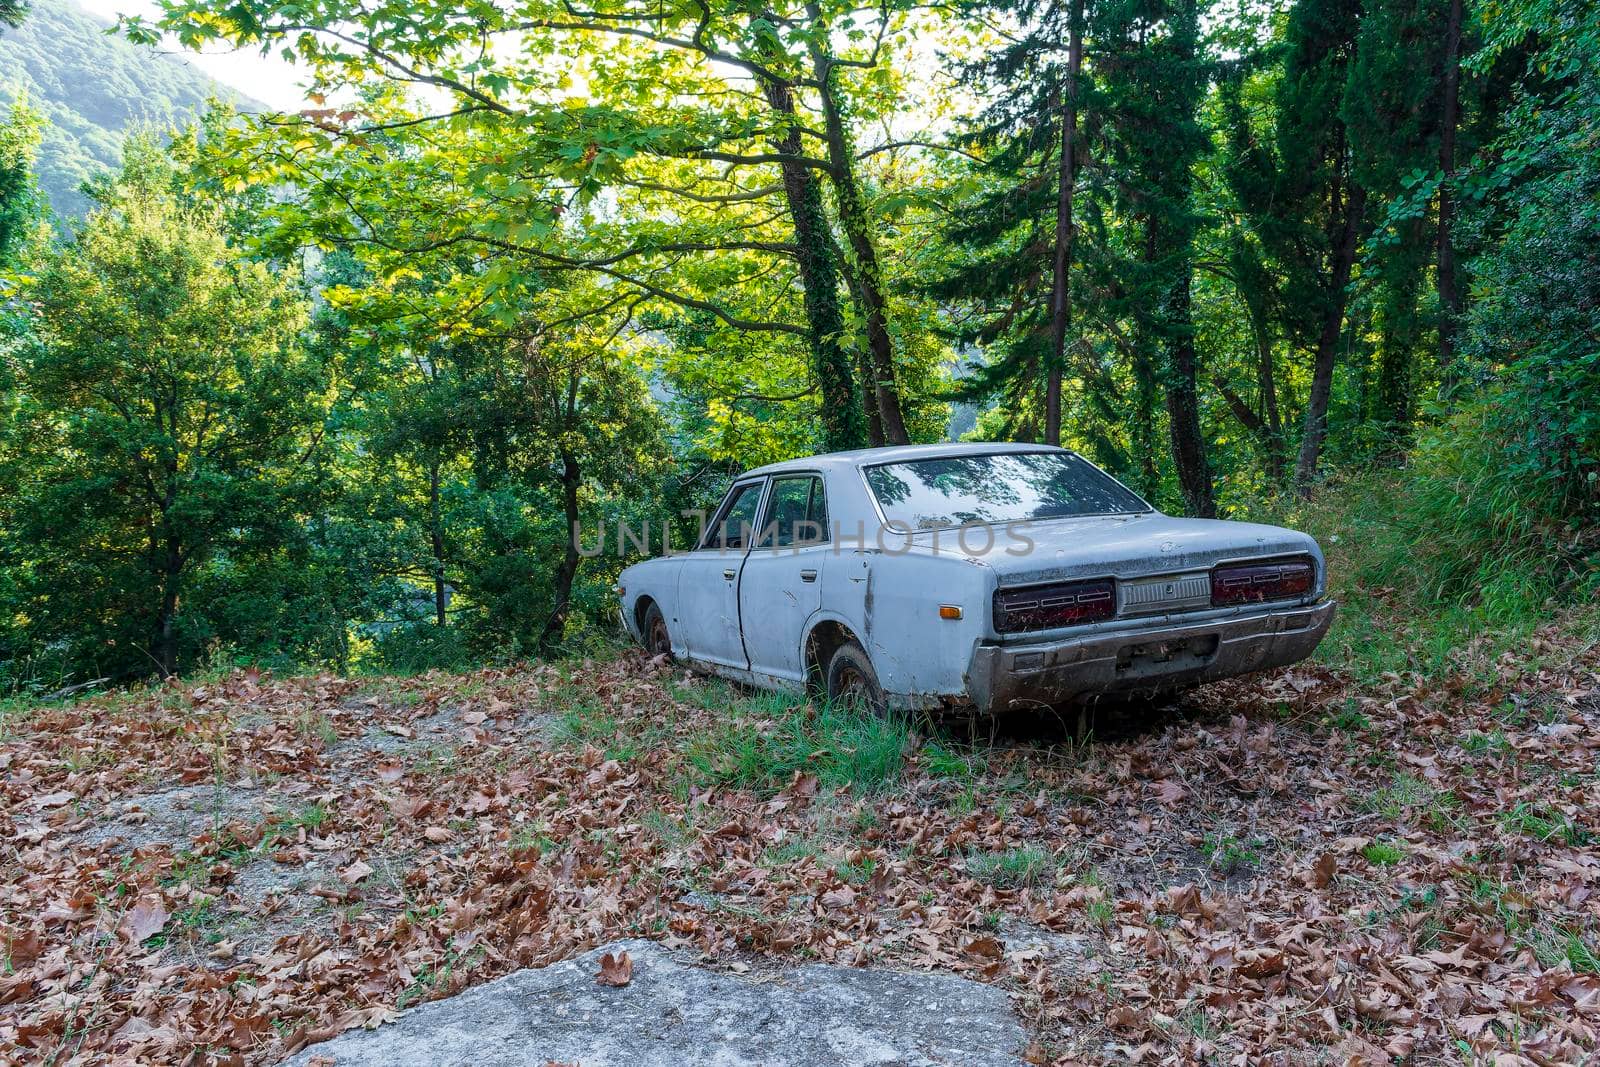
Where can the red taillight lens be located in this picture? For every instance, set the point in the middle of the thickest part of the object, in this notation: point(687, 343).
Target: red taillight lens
point(1044, 607)
point(1251, 583)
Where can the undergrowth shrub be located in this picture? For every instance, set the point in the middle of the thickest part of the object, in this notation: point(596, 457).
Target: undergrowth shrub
point(1460, 546)
point(416, 647)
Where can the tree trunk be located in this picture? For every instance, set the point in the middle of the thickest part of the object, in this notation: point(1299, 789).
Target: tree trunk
point(1182, 399)
point(857, 231)
point(1316, 420)
point(1144, 432)
point(1267, 382)
point(166, 635)
point(1061, 264)
point(567, 572)
point(1401, 332)
point(839, 410)
point(436, 544)
point(1449, 292)
point(864, 376)
point(1259, 428)
point(869, 404)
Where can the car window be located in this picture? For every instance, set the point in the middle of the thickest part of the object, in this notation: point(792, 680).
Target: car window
point(735, 524)
point(999, 487)
point(817, 514)
point(796, 513)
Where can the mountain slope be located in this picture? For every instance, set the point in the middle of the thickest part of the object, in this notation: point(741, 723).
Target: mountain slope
point(92, 88)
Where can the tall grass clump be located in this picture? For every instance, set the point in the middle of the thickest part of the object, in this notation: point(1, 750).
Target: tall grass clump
point(1469, 542)
point(842, 746)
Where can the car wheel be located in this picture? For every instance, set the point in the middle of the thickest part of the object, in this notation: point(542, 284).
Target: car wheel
point(657, 641)
point(851, 681)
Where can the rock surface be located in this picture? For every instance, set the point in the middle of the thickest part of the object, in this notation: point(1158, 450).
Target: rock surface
point(674, 1014)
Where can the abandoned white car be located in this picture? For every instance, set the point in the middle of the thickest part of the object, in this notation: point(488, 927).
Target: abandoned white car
point(973, 576)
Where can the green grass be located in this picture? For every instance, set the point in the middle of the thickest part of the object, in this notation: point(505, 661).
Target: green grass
point(315, 725)
point(856, 872)
point(311, 817)
point(1383, 854)
point(1228, 854)
point(1570, 947)
point(794, 849)
point(584, 722)
point(1517, 915)
point(1542, 823)
point(200, 920)
point(432, 977)
point(1016, 868)
point(773, 739)
point(189, 868)
point(1405, 795)
point(1350, 718)
point(1443, 564)
point(1477, 743)
point(944, 759)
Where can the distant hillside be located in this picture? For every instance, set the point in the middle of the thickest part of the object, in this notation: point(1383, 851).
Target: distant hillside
point(92, 88)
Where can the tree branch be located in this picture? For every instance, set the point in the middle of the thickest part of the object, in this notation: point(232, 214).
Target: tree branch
point(890, 146)
point(709, 198)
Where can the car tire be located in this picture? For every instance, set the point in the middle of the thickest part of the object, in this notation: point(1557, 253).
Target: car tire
point(657, 640)
point(850, 679)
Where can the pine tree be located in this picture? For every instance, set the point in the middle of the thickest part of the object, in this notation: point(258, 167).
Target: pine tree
point(1016, 235)
point(1299, 197)
point(1154, 76)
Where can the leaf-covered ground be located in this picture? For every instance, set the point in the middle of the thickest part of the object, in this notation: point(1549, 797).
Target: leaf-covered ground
point(1288, 868)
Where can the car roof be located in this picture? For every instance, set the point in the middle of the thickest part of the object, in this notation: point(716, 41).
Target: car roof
point(863, 457)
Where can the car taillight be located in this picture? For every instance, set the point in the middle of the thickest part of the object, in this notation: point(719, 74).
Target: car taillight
point(1251, 583)
point(1044, 607)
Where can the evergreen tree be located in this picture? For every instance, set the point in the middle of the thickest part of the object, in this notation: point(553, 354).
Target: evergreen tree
point(1393, 112)
point(1154, 77)
point(1016, 234)
point(1299, 196)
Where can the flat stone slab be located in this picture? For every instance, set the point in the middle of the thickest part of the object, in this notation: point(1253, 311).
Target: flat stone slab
point(674, 1014)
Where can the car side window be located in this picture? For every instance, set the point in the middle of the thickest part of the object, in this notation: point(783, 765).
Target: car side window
point(735, 525)
point(817, 513)
point(796, 514)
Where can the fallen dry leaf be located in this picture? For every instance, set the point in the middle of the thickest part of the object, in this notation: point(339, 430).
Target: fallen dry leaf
point(1323, 870)
point(615, 970)
point(355, 872)
point(147, 918)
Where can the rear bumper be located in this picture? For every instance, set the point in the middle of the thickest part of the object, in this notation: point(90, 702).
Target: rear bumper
point(1146, 658)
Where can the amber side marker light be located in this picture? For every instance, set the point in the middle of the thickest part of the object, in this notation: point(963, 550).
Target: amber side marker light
point(619, 590)
point(949, 611)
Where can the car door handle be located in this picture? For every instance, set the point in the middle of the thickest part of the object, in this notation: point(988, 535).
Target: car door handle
point(808, 575)
point(729, 574)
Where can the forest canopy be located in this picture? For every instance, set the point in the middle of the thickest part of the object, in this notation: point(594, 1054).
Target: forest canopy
point(334, 387)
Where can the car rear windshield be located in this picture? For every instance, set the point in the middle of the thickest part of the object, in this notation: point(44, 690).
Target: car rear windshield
point(998, 487)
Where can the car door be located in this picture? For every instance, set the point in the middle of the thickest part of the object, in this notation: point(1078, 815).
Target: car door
point(780, 587)
point(708, 580)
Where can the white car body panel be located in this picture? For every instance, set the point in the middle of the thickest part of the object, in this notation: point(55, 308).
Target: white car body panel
point(884, 585)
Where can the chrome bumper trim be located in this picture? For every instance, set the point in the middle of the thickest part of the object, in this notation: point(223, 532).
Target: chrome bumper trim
point(1143, 659)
